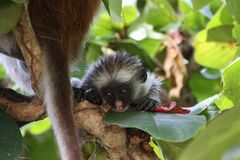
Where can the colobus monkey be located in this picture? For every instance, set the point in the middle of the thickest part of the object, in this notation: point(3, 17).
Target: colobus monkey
point(121, 80)
point(60, 26)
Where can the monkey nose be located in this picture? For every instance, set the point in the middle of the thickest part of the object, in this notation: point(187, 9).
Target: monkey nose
point(119, 106)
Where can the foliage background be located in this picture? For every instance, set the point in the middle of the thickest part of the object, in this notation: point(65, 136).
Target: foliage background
point(201, 70)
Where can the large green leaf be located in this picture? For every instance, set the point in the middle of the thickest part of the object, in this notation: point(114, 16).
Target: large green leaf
point(168, 127)
point(193, 20)
point(159, 13)
point(234, 7)
point(203, 88)
point(219, 140)
point(10, 13)
point(10, 138)
point(221, 17)
point(213, 54)
point(231, 82)
point(220, 26)
point(39, 144)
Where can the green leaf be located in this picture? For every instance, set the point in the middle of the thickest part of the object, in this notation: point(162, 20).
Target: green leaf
point(106, 4)
point(2, 72)
point(129, 14)
point(157, 149)
point(220, 26)
point(213, 54)
point(39, 144)
point(167, 127)
point(89, 150)
point(10, 138)
point(159, 13)
point(221, 34)
point(150, 45)
point(203, 88)
point(140, 5)
point(210, 73)
point(223, 102)
point(133, 48)
point(231, 82)
point(200, 4)
point(10, 13)
point(236, 32)
point(234, 7)
point(115, 9)
point(103, 26)
point(37, 127)
point(193, 21)
point(201, 106)
point(172, 150)
point(221, 17)
point(219, 138)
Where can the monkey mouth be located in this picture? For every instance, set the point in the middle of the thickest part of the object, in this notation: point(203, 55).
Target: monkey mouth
point(120, 107)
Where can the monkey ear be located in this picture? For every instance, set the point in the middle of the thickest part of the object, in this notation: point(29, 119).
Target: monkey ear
point(143, 74)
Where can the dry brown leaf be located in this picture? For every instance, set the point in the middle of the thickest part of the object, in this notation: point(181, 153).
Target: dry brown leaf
point(174, 67)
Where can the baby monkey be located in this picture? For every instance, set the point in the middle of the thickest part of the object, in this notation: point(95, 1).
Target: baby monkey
point(119, 80)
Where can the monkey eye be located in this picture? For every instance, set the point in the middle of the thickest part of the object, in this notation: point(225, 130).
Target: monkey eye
point(123, 91)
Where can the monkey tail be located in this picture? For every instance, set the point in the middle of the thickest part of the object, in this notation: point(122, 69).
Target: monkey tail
point(58, 99)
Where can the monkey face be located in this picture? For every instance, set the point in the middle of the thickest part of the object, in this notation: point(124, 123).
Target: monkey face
point(118, 96)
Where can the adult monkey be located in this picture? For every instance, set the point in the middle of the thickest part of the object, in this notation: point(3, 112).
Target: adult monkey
point(60, 26)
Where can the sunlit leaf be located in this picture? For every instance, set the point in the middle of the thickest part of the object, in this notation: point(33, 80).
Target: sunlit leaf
point(157, 149)
point(129, 14)
point(37, 127)
point(231, 82)
point(213, 54)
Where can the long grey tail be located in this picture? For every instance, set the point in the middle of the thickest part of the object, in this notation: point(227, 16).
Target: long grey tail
point(57, 93)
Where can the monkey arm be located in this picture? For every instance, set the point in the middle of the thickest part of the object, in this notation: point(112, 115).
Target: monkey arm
point(145, 104)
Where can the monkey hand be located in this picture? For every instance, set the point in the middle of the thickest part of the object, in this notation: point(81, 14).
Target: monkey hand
point(93, 96)
point(79, 94)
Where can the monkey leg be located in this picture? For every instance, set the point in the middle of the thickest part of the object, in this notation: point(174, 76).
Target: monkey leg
point(12, 95)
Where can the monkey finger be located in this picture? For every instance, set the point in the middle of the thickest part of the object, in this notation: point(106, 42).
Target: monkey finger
point(79, 94)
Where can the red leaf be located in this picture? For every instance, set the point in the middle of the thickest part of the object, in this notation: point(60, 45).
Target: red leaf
point(171, 108)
